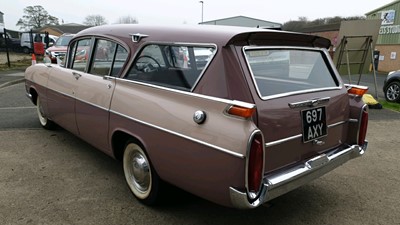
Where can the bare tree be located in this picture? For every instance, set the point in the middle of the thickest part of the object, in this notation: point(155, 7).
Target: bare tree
point(36, 17)
point(303, 22)
point(127, 20)
point(95, 20)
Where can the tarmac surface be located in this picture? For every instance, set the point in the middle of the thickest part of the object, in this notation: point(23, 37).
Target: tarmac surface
point(53, 177)
point(10, 77)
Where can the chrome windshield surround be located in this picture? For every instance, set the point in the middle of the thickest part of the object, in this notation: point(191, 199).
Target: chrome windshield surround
point(139, 50)
point(329, 65)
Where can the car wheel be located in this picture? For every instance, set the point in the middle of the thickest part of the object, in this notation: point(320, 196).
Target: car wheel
point(141, 177)
point(44, 121)
point(392, 92)
point(26, 50)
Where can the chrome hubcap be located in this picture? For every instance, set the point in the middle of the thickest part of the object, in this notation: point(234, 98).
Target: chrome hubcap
point(42, 119)
point(140, 172)
point(137, 171)
point(393, 92)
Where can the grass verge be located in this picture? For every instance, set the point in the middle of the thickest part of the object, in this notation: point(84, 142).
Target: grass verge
point(391, 105)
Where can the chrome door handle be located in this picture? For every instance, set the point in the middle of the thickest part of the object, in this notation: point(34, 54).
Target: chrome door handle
point(76, 75)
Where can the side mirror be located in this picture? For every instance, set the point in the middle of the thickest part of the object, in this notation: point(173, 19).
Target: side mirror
point(47, 61)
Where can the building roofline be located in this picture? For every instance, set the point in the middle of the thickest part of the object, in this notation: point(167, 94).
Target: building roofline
point(376, 10)
point(240, 16)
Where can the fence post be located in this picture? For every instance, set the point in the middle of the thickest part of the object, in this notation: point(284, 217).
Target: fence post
point(6, 40)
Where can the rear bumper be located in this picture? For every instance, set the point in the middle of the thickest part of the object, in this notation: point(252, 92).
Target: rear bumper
point(287, 180)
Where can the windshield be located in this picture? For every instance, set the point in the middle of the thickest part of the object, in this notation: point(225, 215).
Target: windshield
point(289, 71)
point(63, 41)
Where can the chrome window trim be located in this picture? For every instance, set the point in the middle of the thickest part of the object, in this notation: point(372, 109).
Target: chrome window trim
point(224, 150)
point(283, 140)
point(334, 76)
point(140, 49)
point(222, 100)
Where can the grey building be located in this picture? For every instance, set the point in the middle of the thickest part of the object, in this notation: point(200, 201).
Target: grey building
point(1, 21)
point(244, 21)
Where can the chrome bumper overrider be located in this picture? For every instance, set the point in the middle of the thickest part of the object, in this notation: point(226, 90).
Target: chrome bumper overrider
point(282, 182)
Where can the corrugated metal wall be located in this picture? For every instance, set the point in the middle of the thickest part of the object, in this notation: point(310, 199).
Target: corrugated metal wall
point(388, 33)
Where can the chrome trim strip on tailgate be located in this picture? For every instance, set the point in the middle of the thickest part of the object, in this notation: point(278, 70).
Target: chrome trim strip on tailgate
point(277, 184)
point(280, 141)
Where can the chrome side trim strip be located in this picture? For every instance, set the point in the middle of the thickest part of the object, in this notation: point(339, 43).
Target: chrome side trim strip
point(277, 142)
point(226, 101)
point(181, 135)
point(337, 124)
point(280, 141)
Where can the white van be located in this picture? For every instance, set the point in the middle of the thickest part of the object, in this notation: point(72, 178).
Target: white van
point(26, 41)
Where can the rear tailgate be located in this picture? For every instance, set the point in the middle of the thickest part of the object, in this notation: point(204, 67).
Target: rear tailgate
point(302, 108)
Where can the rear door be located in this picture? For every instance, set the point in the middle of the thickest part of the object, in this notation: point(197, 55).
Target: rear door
point(95, 90)
point(302, 108)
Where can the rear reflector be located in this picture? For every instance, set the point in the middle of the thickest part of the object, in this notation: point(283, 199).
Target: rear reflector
point(363, 127)
point(357, 90)
point(255, 165)
point(241, 111)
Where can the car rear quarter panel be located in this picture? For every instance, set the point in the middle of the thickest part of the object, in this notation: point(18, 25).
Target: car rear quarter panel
point(204, 159)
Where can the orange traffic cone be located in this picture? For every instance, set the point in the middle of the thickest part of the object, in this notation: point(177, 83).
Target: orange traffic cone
point(33, 59)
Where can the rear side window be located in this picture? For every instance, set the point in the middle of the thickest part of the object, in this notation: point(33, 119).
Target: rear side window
point(289, 71)
point(172, 66)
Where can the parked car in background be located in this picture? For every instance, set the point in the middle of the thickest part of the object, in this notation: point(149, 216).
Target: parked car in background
point(12, 44)
point(391, 87)
point(60, 47)
point(262, 114)
point(26, 41)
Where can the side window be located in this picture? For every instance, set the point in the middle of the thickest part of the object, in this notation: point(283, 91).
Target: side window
point(80, 54)
point(172, 66)
point(103, 57)
point(121, 55)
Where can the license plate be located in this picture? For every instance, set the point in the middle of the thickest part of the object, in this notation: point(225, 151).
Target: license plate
point(314, 123)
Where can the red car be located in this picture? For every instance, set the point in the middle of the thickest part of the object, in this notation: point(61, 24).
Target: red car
point(262, 114)
point(59, 49)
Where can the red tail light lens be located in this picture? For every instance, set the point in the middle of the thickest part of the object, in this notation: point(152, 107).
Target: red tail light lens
point(255, 164)
point(363, 127)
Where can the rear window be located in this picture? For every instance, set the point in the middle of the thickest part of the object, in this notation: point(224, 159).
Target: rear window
point(279, 72)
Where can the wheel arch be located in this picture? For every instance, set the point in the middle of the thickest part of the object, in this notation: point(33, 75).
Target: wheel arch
point(34, 94)
point(118, 141)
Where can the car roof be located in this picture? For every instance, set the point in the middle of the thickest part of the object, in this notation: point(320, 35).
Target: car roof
point(220, 35)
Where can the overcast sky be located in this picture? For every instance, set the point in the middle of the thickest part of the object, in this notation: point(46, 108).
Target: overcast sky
point(189, 11)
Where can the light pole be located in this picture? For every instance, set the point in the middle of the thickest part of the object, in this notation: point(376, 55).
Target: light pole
point(202, 8)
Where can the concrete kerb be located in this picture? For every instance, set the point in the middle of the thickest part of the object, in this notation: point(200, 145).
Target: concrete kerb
point(17, 81)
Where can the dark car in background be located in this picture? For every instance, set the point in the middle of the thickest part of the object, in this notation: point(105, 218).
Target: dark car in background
point(391, 87)
point(11, 43)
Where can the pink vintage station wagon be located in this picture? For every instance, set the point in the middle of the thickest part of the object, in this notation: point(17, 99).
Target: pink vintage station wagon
point(235, 115)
